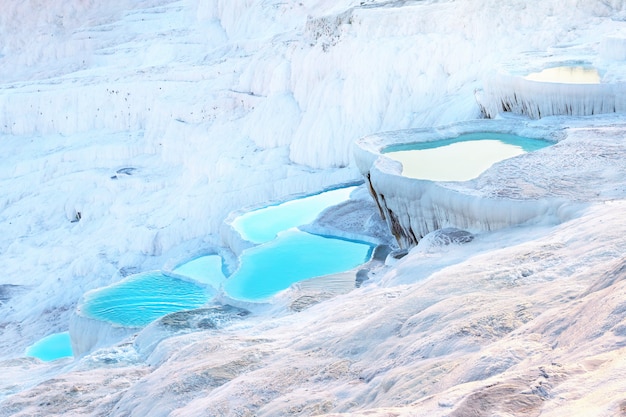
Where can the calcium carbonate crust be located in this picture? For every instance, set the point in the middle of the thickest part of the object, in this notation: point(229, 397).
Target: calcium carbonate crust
point(538, 186)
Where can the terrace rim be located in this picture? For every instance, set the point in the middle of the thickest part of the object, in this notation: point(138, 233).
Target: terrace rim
point(413, 207)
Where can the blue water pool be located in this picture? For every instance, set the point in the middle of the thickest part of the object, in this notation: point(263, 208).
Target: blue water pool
point(291, 257)
point(205, 269)
point(262, 225)
point(53, 347)
point(143, 298)
point(462, 158)
point(285, 255)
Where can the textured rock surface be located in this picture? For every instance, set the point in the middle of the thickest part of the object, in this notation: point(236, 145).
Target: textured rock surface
point(539, 186)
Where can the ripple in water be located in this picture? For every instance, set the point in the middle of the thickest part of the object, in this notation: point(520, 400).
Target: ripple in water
point(142, 298)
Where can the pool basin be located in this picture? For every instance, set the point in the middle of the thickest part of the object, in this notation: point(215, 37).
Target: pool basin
point(293, 256)
point(262, 225)
point(461, 158)
point(142, 298)
point(500, 197)
point(52, 347)
point(575, 74)
point(546, 87)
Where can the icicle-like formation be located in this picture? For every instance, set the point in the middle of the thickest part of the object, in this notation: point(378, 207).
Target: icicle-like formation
point(613, 48)
point(413, 208)
point(537, 99)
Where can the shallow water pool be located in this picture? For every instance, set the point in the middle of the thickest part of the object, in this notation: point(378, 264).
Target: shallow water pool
point(284, 256)
point(262, 225)
point(566, 75)
point(53, 347)
point(205, 269)
point(143, 298)
point(293, 256)
point(462, 158)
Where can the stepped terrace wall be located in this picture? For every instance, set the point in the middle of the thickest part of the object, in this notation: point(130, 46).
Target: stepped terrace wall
point(551, 84)
point(531, 187)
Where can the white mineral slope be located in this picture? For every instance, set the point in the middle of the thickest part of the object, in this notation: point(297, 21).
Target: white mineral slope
point(525, 321)
point(154, 119)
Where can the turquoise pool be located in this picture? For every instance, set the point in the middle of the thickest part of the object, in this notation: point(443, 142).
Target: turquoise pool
point(293, 256)
point(284, 256)
point(462, 158)
point(53, 347)
point(262, 225)
point(205, 269)
point(143, 298)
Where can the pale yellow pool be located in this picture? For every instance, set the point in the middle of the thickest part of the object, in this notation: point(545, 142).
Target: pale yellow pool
point(566, 75)
point(462, 158)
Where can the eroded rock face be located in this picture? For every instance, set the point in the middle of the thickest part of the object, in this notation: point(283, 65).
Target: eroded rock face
point(188, 321)
point(203, 318)
point(7, 291)
point(357, 218)
point(305, 301)
point(450, 235)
